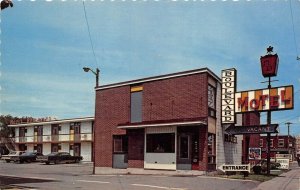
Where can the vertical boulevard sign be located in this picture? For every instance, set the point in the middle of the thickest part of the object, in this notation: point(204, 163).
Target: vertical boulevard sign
point(228, 95)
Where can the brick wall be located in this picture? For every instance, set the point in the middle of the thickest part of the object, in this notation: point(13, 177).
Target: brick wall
point(203, 149)
point(112, 108)
point(250, 141)
point(174, 98)
point(182, 97)
point(136, 148)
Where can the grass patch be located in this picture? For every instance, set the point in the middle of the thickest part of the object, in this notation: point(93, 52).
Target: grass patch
point(254, 177)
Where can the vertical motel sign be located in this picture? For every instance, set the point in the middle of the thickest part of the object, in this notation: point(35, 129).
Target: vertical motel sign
point(228, 95)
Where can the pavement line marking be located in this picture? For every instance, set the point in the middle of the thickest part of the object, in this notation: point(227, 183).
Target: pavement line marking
point(45, 178)
point(104, 175)
point(88, 181)
point(158, 187)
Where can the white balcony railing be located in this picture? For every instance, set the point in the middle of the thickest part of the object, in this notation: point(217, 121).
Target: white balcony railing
point(55, 138)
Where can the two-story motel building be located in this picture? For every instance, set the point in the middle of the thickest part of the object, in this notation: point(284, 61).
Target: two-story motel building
point(67, 135)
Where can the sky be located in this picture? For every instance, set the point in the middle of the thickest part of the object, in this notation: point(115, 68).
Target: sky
point(45, 45)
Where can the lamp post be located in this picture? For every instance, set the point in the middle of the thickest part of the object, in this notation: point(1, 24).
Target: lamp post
point(269, 67)
point(96, 73)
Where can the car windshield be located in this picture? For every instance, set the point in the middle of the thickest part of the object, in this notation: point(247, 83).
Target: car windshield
point(53, 154)
point(28, 153)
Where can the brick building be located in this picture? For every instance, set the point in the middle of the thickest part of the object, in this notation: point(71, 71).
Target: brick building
point(165, 122)
point(279, 144)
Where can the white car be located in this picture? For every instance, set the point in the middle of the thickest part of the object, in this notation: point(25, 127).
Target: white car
point(9, 157)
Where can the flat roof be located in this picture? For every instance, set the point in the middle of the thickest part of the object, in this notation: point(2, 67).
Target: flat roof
point(160, 77)
point(53, 122)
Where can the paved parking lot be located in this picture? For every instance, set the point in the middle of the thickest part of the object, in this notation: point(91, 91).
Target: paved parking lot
point(79, 176)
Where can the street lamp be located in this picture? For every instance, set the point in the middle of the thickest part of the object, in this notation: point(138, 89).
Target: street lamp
point(87, 69)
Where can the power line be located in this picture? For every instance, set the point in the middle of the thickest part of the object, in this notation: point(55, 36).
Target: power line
point(291, 10)
point(88, 27)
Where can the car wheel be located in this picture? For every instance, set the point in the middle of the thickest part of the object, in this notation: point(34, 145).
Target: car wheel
point(28, 161)
point(55, 161)
point(47, 163)
point(21, 161)
point(7, 161)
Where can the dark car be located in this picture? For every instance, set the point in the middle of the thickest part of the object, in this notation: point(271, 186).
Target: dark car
point(59, 157)
point(262, 166)
point(29, 157)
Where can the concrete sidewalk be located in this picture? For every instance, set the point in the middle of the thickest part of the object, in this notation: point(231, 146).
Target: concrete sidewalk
point(142, 171)
point(286, 181)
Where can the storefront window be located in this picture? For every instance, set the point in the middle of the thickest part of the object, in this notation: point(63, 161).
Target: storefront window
point(161, 143)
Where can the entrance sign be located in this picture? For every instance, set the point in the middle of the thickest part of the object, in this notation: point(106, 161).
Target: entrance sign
point(273, 99)
point(228, 94)
point(252, 129)
point(235, 168)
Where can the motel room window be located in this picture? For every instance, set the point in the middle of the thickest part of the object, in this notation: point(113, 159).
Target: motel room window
point(120, 143)
point(271, 143)
point(280, 142)
point(261, 142)
point(136, 100)
point(211, 101)
point(160, 143)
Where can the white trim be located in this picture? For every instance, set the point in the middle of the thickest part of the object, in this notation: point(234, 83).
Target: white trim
point(163, 124)
point(205, 70)
point(53, 122)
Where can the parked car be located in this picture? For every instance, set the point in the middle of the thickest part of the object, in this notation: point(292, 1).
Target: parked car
point(262, 166)
point(59, 157)
point(27, 157)
point(11, 156)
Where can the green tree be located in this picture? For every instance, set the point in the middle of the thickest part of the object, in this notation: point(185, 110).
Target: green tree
point(6, 131)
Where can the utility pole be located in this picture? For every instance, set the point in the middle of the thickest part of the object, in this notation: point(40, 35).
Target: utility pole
point(288, 125)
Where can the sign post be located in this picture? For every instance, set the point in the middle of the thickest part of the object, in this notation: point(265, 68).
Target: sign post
point(269, 65)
